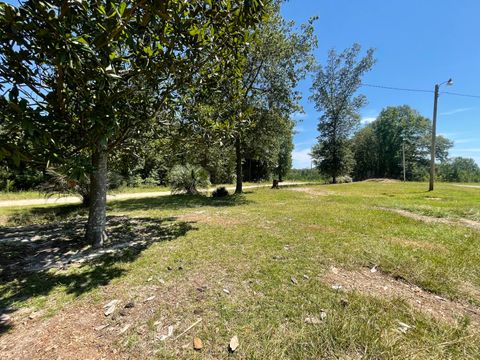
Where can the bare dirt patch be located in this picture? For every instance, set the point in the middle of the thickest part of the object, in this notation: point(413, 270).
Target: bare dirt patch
point(434, 220)
point(145, 313)
point(471, 290)
point(383, 286)
point(312, 191)
point(68, 335)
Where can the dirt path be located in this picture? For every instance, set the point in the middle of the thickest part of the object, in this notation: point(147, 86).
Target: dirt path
point(376, 283)
point(76, 200)
point(434, 220)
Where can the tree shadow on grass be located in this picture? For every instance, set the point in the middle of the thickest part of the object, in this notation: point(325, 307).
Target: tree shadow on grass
point(29, 254)
point(175, 202)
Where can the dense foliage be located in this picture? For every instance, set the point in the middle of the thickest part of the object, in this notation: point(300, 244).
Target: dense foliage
point(378, 148)
point(459, 169)
point(334, 95)
point(81, 78)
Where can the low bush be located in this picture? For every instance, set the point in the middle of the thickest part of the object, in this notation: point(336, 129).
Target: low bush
point(188, 179)
point(220, 192)
point(343, 179)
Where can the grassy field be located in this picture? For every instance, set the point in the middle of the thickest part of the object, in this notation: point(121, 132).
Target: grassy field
point(310, 272)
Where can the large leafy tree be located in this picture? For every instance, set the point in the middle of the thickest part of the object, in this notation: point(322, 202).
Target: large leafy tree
point(333, 93)
point(264, 96)
point(85, 76)
point(379, 147)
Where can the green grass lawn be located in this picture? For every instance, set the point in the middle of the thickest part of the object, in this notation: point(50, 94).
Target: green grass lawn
point(252, 246)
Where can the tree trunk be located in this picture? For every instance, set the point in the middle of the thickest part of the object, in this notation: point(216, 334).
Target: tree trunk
point(334, 179)
point(96, 233)
point(238, 154)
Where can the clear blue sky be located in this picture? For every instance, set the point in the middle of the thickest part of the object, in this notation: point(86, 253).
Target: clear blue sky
point(418, 43)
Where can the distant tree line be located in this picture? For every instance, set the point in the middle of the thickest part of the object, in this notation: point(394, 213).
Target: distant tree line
point(396, 145)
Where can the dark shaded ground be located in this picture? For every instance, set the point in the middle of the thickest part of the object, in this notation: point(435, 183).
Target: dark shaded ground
point(26, 254)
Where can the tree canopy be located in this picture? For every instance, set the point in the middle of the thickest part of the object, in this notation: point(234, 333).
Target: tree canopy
point(82, 77)
point(334, 94)
point(379, 147)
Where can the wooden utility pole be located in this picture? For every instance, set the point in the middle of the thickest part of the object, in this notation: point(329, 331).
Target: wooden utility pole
point(449, 82)
point(434, 138)
point(403, 161)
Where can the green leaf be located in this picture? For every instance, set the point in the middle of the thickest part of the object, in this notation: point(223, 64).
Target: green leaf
point(122, 8)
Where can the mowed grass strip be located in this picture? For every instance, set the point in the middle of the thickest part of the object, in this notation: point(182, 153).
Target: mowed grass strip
point(270, 249)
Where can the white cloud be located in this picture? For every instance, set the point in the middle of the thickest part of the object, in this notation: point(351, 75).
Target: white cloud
point(299, 116)
point(456, 111)
point(368, 120)
point(301, 159)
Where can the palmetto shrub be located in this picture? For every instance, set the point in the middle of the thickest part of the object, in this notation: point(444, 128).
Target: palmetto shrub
point(58, 183)
point(188, 179)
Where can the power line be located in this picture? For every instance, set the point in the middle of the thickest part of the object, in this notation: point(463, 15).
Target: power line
point(420, 90)
point(396, 88)
point(464, 95)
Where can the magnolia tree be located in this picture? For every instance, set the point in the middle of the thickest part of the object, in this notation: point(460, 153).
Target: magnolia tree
point(81, 77)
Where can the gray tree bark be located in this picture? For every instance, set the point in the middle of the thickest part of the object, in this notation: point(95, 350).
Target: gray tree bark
point(238, 155)
point(96, 234)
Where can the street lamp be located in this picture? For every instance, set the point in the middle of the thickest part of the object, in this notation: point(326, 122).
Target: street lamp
point(449, 82)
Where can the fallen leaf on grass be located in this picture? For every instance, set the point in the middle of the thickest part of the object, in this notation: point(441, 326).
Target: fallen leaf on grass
point(101, 327)
point(5, 319)
point(124, 329)
point(110, 307)
point(312, 320)
point(129, 305)
point(403, 328)
point(233, 345)
point(197, 343)
point(169, 334)
point(294, 280)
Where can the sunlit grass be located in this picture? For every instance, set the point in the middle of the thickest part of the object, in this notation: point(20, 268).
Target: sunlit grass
point(254, 244)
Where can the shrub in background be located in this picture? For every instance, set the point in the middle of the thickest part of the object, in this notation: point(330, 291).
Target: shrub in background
point(220, 192)
point(188, 179)
point(58, 183)
point(343, 179)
